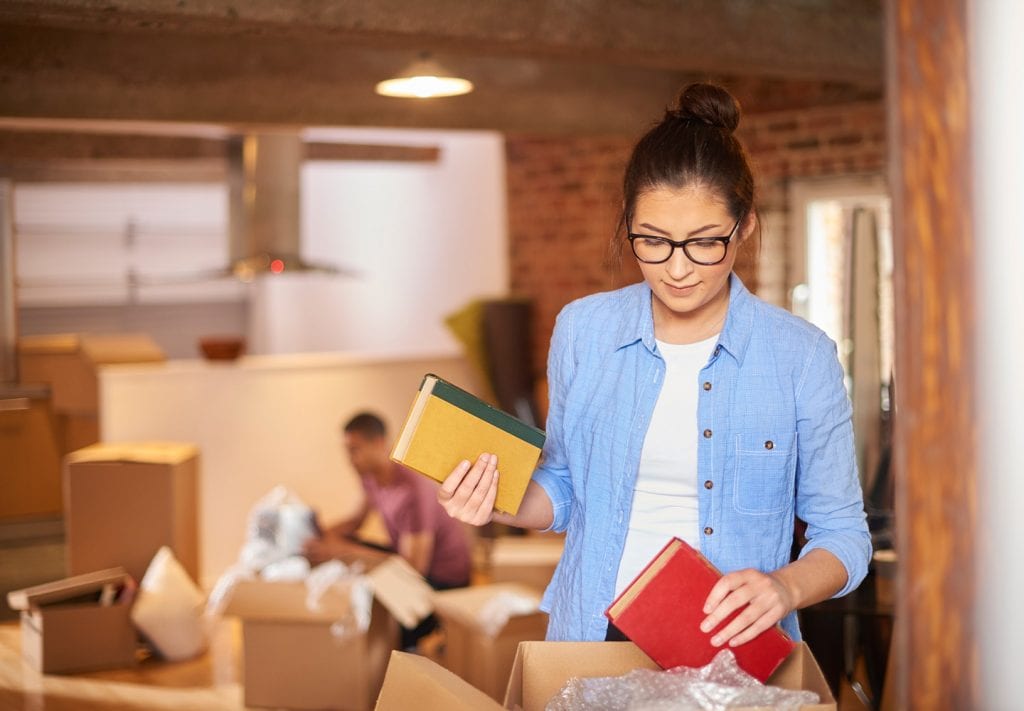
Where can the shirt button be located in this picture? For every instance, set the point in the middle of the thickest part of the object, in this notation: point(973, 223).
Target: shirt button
point(707, 386)
point(707, 434)
point(708, 484)
point(708, 530)
point(718, 349)
point(769, 445)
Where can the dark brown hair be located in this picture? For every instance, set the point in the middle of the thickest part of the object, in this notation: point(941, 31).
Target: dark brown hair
point(692, 146)
point(366, 424)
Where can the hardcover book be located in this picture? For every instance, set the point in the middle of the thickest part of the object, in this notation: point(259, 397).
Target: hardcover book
point(446, 424)
point(661, 612)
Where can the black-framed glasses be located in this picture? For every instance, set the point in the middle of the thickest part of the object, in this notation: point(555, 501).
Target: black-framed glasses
point(706, 251)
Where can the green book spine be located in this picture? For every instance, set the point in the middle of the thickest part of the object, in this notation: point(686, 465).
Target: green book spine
point(478, 408)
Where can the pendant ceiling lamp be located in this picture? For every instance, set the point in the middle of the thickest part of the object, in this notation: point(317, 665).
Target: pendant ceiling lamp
point(424, 79)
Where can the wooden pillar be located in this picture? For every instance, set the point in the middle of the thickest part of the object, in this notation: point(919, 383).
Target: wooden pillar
point(935, 446)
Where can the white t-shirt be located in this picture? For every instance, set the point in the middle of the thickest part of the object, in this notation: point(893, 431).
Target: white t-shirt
point(665, 495)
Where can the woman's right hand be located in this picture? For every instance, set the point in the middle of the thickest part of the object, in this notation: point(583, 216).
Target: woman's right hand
point(469, 492)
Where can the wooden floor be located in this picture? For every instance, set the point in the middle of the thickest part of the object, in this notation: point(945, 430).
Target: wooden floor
point(210, 682)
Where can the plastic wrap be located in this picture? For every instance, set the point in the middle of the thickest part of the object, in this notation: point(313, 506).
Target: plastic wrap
point(278, 526)
point(495, 613)
point(718, 686)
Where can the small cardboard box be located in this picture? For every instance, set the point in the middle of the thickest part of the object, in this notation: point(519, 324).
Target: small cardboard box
point(122, 502)
point(482, 659)
point(68, 626)
point(69, 364)
point(296, 658)
point(529, 560)
point(541, 669)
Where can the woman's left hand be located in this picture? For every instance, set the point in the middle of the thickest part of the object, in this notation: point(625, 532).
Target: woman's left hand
point(765, 600)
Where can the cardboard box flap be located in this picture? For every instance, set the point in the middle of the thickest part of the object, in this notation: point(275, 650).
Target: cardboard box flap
point(402, 591)
point(66, 589)
point(468, 604)
point(286, 602)
point(800, 671)
point(415, 682)
point(139, 452)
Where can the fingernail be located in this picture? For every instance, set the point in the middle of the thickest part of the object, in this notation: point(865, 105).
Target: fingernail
point(716, 641)
point(705, 627)
point(464, 464)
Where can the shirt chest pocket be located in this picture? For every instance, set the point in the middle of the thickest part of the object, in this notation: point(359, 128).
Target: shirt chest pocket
point(765, 472)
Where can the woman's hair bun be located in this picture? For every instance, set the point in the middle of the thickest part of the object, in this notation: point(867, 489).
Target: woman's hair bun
point(708, 104)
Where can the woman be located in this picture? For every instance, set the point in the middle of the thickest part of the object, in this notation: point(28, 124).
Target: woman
point(686, 406)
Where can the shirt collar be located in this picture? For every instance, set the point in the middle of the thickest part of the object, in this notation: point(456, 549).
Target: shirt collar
point(739, 321)
point(638, 324)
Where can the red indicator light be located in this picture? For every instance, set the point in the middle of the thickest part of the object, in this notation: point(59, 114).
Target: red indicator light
point(277, 266)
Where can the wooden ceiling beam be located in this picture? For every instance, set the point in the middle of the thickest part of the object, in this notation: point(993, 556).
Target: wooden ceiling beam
point(833, 40)
point(253, 80)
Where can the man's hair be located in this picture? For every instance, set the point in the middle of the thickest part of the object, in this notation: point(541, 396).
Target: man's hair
point(367, 424)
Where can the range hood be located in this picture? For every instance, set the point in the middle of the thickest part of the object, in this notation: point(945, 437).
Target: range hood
point(264, 178)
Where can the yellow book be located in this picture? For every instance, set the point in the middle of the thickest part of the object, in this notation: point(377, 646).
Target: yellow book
point(447, 424)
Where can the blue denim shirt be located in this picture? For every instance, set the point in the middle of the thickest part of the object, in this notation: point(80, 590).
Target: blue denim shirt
point(774, 438)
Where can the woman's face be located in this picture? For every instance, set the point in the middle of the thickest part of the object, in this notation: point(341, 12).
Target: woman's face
point(687, 295)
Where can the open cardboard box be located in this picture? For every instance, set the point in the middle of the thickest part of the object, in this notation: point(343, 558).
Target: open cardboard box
point(77, 624)
point(302, 658)
point(473, 654)
point(122, 502)
point(541, 669)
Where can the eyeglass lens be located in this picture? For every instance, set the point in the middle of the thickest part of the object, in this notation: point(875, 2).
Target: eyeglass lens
point(653, 249)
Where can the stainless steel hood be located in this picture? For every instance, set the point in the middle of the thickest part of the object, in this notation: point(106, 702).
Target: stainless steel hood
point(264, 180)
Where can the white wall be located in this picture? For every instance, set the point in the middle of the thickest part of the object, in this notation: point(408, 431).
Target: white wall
point(260, 422)
point(997, 62)
point(425, 238)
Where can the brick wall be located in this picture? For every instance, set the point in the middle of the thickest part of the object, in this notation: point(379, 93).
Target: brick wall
point(564, 196)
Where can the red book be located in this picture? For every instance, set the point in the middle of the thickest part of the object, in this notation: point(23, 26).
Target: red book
point(663, 607)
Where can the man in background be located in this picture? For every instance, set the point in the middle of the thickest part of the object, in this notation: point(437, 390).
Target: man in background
point(421, 532)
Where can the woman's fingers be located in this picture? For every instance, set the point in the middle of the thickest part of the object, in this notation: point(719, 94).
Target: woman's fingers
point(468, 493)
point(762, 602)
point(451, 483)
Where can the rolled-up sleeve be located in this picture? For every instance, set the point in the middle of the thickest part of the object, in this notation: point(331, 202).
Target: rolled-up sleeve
point(553, 473)
point(829, 495)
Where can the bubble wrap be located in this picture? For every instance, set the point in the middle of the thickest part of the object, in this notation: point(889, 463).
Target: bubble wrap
point(719, 685)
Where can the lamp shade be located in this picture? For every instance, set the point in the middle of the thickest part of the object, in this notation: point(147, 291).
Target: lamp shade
point(424, 79)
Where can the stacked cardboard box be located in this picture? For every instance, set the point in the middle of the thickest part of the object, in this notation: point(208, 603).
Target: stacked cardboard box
point(69, 364)
point(122, 502)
